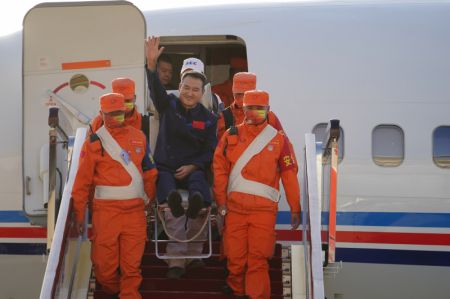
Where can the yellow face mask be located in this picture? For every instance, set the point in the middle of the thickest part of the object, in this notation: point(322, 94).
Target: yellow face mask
point(129, 106)
point(114, 121)
point(119, 118)
point(261, 113)
point(255, 116)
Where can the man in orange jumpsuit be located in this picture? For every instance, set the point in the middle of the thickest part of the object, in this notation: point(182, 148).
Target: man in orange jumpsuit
point(116, 163)
point(248, 164)
point(234, 114)
point(126, 87)
point(224, 90)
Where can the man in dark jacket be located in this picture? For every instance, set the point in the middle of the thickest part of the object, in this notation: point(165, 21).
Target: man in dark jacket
point(184, 151)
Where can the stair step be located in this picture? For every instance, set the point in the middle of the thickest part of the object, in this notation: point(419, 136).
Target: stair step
point(175, 295)
point(192, 285)
point(152, 271)
point(205, 283)
point(213, 261)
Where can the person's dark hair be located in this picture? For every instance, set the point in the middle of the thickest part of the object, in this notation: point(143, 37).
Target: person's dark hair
point(165, 58)
point(196, 75)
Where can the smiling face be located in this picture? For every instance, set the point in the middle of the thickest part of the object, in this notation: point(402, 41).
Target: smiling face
point(191, 91)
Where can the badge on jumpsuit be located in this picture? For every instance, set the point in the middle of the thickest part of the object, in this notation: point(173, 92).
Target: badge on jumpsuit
point(125, 157)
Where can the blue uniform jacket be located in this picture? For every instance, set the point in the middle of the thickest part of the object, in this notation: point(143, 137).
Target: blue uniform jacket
point(185, 136)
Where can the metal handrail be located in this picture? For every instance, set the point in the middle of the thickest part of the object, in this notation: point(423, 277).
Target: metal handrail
point(315, 287)
point(316, 155)
point(54, 264)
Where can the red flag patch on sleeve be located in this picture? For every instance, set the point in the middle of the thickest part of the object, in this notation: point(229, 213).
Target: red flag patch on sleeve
point(198, 124)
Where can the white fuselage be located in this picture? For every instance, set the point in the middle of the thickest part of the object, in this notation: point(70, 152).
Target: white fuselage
point(364, 63)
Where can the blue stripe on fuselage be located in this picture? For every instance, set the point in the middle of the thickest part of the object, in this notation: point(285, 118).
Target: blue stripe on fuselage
point(396, 219)
point(392, 256)
point(23, 248)
point(13, 217)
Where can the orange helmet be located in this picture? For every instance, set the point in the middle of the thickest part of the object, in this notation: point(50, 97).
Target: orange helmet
point(243, 82)
point(112, 102)
point(256, 98)
point(124, 86)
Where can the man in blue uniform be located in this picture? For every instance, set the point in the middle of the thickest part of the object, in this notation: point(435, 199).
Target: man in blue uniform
point(184, 151)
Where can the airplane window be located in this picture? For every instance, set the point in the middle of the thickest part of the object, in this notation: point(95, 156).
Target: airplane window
point(388, 145)
point(441, 146)
point(320, 130)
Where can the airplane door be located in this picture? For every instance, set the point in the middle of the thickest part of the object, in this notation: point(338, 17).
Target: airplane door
point(71, 53)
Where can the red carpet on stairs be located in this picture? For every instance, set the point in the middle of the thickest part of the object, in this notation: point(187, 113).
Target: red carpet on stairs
point(203, 283)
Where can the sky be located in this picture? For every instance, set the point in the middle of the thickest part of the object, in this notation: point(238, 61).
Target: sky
point(11, 18)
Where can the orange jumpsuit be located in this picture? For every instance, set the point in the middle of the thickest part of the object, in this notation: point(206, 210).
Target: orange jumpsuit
point(238, 115)
point(249, 234)
point(224, 90)
point(134, 120)
point(119, 226)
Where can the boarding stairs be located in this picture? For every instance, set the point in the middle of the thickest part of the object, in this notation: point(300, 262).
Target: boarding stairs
point(296, 271)
point(203, 283)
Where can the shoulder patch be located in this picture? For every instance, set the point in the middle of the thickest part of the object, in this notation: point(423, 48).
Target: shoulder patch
point(137, 142)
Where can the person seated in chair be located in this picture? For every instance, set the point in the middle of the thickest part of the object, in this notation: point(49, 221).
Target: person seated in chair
point(184, 151)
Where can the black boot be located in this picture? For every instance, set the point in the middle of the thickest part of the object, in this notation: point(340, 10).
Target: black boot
point(174, 202)
point(195, 205)
point(227, 290)
point(175, 273)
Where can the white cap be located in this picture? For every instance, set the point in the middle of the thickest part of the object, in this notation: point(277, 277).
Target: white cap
point(194, 64)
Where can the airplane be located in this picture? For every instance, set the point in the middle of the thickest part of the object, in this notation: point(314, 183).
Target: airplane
point(380, 67)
